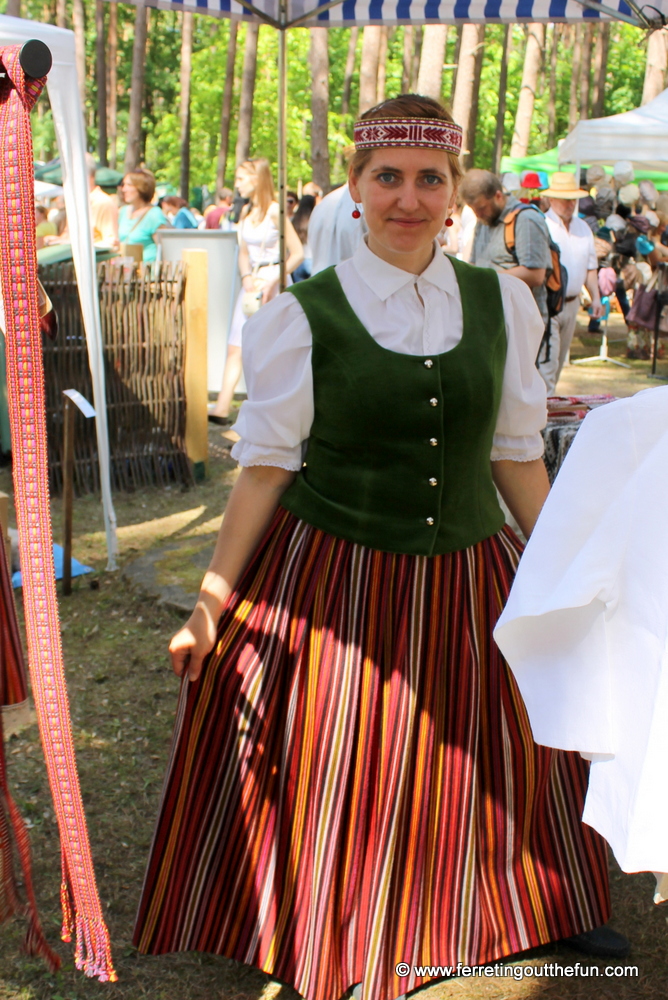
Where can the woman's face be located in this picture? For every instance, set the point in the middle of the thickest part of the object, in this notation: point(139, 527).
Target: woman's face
point(129, 191)
point(245, 183)
point(406, 195)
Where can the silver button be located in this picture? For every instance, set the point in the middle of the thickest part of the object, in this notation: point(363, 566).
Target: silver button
point(430, 521)
point(433, 401)
point(433, 482)
point(429, 363)
point(433, 442)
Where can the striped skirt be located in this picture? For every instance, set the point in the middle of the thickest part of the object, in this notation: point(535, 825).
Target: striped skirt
point(353, 782)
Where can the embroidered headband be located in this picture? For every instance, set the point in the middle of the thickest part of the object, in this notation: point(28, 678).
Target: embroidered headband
point(430, 133)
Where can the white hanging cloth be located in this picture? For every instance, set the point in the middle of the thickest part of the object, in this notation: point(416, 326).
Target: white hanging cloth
point(585, 630)
point(63, 91)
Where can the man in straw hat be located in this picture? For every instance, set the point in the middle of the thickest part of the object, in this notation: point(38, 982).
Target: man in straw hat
point(578, 255)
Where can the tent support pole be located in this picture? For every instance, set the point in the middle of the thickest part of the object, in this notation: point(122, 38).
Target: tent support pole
point(282, 136)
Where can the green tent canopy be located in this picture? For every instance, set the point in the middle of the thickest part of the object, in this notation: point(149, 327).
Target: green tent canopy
point(52, 173)
point(549, 162)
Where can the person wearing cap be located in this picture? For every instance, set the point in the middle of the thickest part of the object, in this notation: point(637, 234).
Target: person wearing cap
point(578, 255)
point(531, 259)
point(353, 782)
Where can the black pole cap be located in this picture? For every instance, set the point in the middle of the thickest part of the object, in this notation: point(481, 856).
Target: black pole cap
point(35, 58)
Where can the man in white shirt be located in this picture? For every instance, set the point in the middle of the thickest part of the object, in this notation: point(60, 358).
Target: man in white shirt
point(333, 233)
point(576, 243)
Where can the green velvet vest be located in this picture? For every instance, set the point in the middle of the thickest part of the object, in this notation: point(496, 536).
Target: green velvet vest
point(398, 458)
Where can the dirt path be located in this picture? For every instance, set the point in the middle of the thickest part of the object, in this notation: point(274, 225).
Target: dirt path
point(123, 700)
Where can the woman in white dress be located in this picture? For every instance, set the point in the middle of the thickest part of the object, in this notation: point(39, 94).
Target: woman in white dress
point(258, 266)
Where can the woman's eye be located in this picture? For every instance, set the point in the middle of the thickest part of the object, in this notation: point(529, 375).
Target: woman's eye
point(386, 177)
point(432, 180)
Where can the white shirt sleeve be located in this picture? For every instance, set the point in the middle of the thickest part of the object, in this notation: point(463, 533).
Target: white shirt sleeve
point(523, 409)
point(275, 421)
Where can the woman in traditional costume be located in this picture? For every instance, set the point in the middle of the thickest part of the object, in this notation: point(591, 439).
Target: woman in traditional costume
point(353, 784)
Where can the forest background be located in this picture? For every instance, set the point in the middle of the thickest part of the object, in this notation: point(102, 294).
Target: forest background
point(190, 95)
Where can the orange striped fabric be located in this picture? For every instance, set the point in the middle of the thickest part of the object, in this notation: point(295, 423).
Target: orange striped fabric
point(353, 782)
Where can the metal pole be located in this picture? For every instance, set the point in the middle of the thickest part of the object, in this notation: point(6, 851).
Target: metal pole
point(68, 492)
point(282, 135)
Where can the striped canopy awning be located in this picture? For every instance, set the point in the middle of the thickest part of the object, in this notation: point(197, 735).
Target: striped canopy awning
point(346, 13)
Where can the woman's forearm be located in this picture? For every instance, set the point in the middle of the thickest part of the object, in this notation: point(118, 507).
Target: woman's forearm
point(252, 504)
point(524, 487)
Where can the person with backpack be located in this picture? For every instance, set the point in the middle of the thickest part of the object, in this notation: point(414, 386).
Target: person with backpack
point(530, 258)
point(578, 254)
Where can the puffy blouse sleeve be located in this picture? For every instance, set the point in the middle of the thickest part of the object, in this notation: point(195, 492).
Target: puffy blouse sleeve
point(275, 421)
point(523, 409)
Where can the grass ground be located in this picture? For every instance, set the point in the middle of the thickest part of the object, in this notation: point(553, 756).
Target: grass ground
point(123, 698)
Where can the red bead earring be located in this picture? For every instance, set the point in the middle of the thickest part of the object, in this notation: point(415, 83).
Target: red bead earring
point(356, 214)
point(449, 222)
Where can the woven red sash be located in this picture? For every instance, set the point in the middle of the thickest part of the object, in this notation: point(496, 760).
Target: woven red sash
point(82, 913)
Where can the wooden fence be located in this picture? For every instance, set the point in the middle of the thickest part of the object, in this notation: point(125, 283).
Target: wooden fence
point(143, 336)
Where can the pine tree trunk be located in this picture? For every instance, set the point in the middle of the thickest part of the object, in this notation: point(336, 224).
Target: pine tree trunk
point(79, 25)
point(13, 8)
point(533, 59)
point(369, 67)
point(506, 46)
point(61, 13)
point(242, 150)
point(473, 122)
point(319, 59)
point(552, 97)
point(101, 80)
point(585, 80)
point(453, 78)
point(187, 25)
point(417, 51)
point(382, 64)
point(465, 88)
point(226, 107)
point(407, 58)
point(574, 104)
point(134, 137)
point(600, 69)
point(655, 67)
point(349, 71)
point(112, 62)
point(432, 57)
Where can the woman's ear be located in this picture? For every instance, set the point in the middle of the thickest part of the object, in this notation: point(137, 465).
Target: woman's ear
point(353, 187)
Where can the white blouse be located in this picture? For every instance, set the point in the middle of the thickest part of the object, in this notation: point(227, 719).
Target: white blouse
point(403, 312)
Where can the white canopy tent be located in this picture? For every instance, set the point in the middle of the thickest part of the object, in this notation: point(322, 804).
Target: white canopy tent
point(640, 136)
point(63, 91)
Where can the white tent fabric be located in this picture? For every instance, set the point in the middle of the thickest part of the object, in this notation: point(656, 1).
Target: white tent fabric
point(347, 13)
point(63, 91)
point(640, 136)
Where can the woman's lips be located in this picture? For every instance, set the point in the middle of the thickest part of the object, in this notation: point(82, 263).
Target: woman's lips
point(408, 223)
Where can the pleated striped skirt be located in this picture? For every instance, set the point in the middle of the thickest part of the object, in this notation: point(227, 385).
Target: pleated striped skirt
point(353, 782)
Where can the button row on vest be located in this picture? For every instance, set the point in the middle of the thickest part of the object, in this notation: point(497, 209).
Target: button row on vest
point(430, 521)
point(429, 363)
point(433, 401)
point(433, 442)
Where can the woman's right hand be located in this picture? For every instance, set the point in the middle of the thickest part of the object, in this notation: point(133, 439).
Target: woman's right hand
point(248, 283)
point(193, 643)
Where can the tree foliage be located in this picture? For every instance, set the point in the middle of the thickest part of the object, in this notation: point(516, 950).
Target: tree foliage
point(626, 66)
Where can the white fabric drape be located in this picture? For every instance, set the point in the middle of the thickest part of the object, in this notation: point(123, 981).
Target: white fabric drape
point(63, 92)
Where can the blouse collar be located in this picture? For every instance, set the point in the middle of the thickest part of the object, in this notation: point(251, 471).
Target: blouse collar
point(385, 279)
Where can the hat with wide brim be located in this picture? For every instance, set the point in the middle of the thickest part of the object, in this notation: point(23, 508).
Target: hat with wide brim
point(562, 185)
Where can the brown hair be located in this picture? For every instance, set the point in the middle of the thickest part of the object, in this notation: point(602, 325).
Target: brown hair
point(144, 181)
point(263, 195)
point(175, 201)
point(405, 106)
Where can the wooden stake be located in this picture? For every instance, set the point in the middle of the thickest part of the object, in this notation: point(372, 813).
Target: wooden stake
point(195, 376)
point(68, 491)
